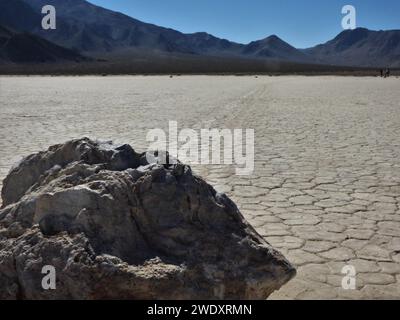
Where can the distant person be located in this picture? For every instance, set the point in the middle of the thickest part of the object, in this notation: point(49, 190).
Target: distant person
point(381, 73)
point(388, 72)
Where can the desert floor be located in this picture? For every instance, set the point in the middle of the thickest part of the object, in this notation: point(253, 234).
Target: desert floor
point(326, 187)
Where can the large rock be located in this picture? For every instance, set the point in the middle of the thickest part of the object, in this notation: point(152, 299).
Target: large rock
point(114, 226)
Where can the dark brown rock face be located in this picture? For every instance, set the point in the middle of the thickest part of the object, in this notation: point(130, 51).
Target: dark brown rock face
point(115, 227)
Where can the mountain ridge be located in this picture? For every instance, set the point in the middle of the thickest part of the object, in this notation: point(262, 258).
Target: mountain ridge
point(361, 47)
point(90, 29)
point(93, 30)
point(27, 48)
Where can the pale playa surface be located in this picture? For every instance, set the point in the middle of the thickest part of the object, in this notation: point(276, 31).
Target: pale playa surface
point(326, 189)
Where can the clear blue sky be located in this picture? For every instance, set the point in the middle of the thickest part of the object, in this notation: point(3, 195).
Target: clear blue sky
point(302, 23)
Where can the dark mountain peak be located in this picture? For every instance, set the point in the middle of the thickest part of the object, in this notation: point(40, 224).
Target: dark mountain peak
point(360, 47)
point(202, 35)
point(267, 40)
point(271, 42)
point(273, 38)
point(351, 36)
point(275, 48)
point(275, 42)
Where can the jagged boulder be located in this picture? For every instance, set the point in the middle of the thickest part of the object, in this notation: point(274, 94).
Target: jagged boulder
point(117, 227)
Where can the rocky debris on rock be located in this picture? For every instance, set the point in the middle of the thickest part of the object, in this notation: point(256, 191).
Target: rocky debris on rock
point(117, 227)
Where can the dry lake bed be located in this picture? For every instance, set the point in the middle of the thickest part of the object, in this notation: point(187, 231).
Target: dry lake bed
point(326, 185)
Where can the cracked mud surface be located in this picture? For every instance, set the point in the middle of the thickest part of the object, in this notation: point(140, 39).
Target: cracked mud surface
point(326, 185)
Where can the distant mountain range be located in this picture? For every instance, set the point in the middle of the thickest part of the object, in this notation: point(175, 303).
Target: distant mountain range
point(360, 47)
point(95, 31)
